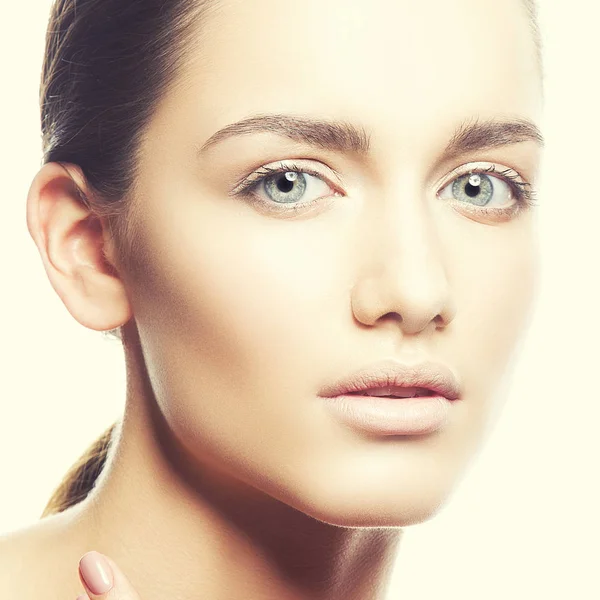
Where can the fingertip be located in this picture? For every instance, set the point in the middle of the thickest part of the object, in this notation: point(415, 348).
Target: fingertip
point(96, 573)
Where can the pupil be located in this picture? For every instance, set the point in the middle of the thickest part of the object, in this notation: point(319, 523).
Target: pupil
point(471, 190)
point(284, 184)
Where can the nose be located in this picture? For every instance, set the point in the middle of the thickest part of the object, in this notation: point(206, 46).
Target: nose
point(403, 272)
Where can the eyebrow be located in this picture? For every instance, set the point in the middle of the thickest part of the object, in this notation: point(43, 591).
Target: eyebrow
point(341, 136)
point(492, 133)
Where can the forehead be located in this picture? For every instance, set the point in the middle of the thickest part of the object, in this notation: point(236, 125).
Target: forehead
point(397, 66)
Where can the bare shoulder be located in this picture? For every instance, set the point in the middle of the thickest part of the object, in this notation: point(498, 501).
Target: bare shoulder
point(38, 561)
point(17, 556)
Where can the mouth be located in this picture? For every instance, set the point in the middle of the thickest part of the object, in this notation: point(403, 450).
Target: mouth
point(390, 398)
point(395, 392)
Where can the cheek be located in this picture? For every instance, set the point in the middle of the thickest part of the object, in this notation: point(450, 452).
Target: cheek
point(233, 313)
point(243, 291)
point(500, 292)
point(499, 275)
point(229, 303)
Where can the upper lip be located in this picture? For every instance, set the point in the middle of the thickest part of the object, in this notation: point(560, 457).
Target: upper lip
point(433, 376)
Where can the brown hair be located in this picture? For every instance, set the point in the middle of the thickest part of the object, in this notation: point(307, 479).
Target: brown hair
point(107, 64)
point(81, 477)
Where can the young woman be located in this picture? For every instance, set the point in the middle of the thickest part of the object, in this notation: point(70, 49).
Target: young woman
point(283, 210)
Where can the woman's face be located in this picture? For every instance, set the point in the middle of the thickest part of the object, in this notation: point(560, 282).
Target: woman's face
point(247, 305)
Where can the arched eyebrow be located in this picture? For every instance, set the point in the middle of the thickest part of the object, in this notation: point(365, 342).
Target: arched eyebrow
point(475, 135)
point(342, 136)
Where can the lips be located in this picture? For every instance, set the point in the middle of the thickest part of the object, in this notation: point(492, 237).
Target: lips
point(432, 379)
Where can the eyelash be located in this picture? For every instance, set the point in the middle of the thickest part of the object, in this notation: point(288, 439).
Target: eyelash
point(523, 192)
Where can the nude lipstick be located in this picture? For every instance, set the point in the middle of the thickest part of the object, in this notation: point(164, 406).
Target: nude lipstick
point(392, 398)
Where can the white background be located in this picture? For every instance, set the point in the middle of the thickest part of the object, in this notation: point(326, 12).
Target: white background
point(524, 523)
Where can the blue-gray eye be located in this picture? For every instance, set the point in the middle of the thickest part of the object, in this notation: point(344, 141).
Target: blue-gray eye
point(475, 188)
point(285, 187)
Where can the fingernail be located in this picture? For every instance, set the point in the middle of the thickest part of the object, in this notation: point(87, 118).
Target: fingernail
point(96, 573)
point(82, 597)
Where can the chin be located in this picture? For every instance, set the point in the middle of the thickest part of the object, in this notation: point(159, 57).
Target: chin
point(414, 503)
point(359, 514)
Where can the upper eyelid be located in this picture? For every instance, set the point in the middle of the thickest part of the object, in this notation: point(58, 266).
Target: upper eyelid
point(257, 175)
point(494, 169)
point(486, 165)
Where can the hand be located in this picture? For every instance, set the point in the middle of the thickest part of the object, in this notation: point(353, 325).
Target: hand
point(103, 580)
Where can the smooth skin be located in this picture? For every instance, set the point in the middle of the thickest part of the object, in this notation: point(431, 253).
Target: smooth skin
point(230, 479)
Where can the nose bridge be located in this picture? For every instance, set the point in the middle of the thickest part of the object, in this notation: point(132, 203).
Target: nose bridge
point(403, 264)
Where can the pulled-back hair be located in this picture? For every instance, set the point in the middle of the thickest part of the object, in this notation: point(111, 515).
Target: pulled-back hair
point(107, 64)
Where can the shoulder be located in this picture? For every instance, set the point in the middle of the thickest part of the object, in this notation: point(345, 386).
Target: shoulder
point(16, 559)
point(36, 561)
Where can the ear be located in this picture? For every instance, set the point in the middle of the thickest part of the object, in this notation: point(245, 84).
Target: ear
point(75, 247)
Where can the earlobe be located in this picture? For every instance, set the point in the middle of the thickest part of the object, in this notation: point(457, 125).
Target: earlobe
point(70, 239)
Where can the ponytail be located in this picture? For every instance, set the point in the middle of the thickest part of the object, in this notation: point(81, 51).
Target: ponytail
point(82, 476)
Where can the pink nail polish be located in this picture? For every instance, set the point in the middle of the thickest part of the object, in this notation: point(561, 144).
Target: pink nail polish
point(96, 572)
point(83, 597)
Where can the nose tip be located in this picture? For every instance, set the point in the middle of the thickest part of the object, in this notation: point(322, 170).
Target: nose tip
point(411, 314)
point(415, 293)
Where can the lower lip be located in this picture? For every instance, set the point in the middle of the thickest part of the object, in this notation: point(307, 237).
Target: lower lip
point(391, 416)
